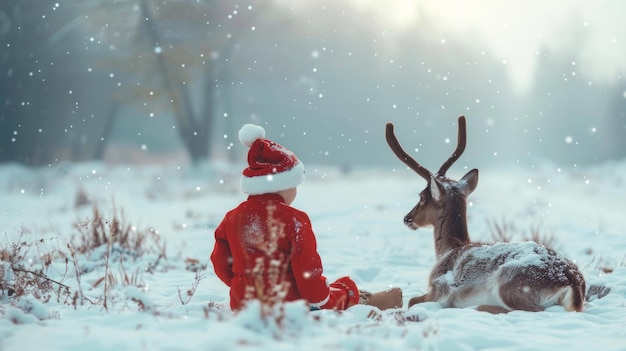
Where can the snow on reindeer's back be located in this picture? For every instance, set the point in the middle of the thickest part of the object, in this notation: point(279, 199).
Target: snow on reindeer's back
point(528, 257)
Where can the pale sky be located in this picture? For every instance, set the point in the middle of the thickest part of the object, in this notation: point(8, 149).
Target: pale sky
point(516, 32)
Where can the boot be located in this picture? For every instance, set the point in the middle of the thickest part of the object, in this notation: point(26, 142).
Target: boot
point(383, 300)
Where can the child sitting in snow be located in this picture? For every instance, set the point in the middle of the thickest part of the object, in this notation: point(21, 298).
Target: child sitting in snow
point(264, 248)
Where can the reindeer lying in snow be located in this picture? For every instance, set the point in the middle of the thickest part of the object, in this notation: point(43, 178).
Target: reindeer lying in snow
point(495, 277)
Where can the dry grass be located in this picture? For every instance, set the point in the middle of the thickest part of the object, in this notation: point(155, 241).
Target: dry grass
point(268, 274)
point(116, 234)
point(24, 265)
point(114, 241)
point(191, 291)
point(21, 274)
point(505, 231)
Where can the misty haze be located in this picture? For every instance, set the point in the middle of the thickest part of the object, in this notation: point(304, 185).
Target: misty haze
point(121, 157)
point(147, 81)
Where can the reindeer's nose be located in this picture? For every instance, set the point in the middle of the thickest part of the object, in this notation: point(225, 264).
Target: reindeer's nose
point(408, 219)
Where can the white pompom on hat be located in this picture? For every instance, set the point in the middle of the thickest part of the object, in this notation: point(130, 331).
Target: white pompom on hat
point(249, 133)
point(271, 166)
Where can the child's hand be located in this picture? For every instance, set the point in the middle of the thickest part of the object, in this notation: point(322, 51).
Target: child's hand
point(343, 294)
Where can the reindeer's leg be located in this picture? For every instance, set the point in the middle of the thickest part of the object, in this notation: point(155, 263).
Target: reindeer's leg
point(439, 292)
point(492, 309)
point(417, 299)
point(520, 297)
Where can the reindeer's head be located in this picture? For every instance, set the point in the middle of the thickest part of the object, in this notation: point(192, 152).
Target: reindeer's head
point(442, 196)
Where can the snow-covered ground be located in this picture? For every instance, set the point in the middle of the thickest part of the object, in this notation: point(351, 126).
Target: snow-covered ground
point(357, 218)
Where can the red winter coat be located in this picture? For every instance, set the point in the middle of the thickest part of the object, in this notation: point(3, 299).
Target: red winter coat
point(265, 249)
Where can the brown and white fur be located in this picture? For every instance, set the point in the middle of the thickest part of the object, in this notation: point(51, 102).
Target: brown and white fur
point(496, 277)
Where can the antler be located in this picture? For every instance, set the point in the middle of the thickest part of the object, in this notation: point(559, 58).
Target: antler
point(414, 165)
point(460, 147)
point(404, 157)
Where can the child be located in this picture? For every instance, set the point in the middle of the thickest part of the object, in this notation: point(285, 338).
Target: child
point(264, 248)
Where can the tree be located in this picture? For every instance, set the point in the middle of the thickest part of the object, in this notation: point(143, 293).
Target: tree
point(74, 67)
point(42, 109)
point(168, 58)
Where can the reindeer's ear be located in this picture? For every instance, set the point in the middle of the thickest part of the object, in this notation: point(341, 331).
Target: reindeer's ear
point(436, 189)
point(469, 181)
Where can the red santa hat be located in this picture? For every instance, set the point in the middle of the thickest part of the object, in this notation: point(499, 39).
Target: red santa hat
point(271, 166)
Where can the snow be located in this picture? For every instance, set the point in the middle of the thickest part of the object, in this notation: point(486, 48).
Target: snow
point(515, 254)
point(177, 302)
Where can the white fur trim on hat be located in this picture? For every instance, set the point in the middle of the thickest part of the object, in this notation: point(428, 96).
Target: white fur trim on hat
point(249, 133)
point(274, 182)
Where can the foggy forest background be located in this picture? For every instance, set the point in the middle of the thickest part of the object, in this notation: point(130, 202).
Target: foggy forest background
point(146, 80)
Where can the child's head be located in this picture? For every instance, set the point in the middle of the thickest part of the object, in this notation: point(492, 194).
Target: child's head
point(271, 167)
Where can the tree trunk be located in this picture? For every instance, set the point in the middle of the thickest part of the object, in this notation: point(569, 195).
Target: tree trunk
point(101, 144)
point(193, 133)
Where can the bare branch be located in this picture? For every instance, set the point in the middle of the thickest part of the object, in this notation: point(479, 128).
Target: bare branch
point(17, 269)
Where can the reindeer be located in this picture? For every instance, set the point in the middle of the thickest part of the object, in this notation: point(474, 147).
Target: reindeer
point(496, 278)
